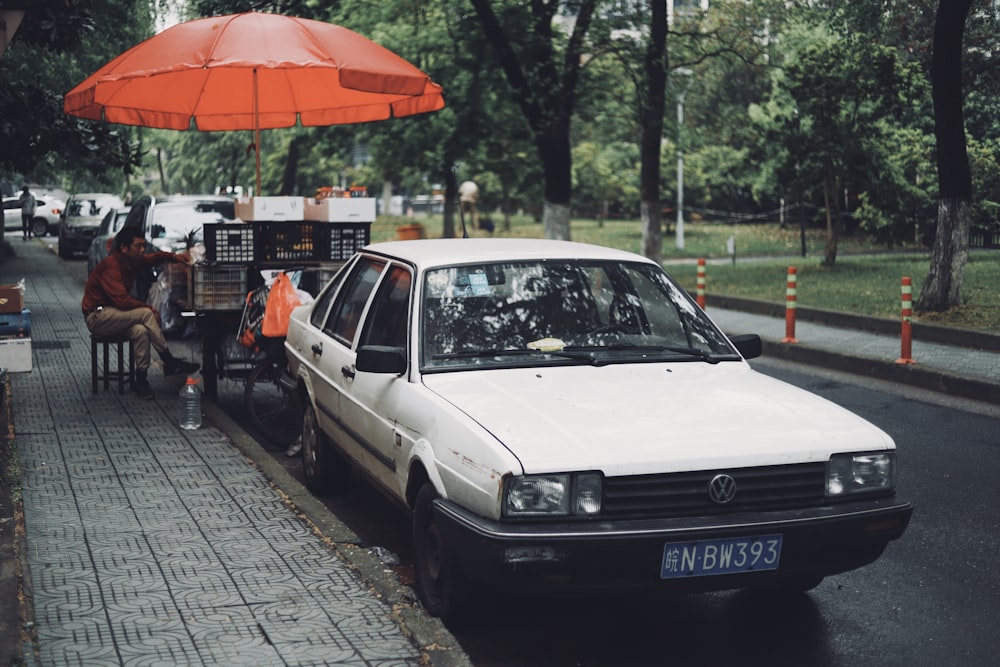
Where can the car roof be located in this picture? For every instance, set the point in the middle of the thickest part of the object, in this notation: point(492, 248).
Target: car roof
point(428, 253)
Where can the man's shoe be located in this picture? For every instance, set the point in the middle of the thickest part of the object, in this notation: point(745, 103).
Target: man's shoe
point(142, 390)
point(175, 366)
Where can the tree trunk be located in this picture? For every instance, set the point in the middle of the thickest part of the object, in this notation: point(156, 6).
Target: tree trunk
point(450, 195)
point(505, 198)
point(943, 285)
point(163, 177)
point(291, 169)
point(386, 195)
point(832, 217)
point(557, 161)
point(652, 133)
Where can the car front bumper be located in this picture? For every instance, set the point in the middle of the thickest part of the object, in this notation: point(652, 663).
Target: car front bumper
point(627, 555)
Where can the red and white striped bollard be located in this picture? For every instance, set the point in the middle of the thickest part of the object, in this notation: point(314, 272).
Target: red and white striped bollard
point(906, 335)
point(791, 301)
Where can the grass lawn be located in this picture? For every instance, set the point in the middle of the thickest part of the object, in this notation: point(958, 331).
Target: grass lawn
point(866, 279)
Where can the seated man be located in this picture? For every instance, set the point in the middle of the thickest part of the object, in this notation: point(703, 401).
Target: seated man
point(111, 310)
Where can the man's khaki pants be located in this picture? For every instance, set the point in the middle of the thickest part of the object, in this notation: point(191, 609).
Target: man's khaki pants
point(139, 325)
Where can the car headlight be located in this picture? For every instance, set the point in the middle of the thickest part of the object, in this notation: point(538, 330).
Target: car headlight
point(848, 474)
point(553, 495)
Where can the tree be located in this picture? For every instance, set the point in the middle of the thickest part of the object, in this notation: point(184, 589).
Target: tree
point(52, 51)
point(528, 41)
point(824, 114)
point(942, 287)
point(651, 110)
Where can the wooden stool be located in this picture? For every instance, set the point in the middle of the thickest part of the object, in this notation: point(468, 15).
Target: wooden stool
point(122, 376)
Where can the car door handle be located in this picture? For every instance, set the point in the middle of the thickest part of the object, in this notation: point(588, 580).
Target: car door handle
point(347, 371)
point(317, 349)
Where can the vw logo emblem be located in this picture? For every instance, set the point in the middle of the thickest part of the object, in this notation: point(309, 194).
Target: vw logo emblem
point(722, 489)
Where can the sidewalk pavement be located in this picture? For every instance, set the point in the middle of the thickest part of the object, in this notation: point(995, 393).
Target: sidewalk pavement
point(145, 544)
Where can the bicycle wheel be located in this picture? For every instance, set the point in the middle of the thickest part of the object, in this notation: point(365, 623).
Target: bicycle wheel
point(272, 409)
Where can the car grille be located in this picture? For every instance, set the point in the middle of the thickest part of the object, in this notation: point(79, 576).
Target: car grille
point(686, 493)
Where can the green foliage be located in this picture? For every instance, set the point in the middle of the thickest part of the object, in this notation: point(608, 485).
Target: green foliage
point(606, 178)
point(781, 92)
point(55, 48)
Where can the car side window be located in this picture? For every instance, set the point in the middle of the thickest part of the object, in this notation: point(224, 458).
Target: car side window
point(386, 324)
point(324, 300)
point(345, 316)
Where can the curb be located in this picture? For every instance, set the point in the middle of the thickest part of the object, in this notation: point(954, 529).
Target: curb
point(931, 333)
point(438, 646)
point(909, 374)
point(912, 375)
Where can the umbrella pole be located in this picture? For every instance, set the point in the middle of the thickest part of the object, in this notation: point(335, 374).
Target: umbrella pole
point(256, 131)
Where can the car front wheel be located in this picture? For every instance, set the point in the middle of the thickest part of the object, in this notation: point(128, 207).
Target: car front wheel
point(441, 585)
point(325, 472)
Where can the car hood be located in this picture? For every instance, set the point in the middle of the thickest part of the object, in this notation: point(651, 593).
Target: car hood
point(651, 418)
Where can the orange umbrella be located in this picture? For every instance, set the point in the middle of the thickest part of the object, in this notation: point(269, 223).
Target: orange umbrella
point(253, 71)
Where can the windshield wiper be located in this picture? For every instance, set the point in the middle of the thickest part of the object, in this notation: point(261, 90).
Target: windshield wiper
point(482, 354)
point(632, 347)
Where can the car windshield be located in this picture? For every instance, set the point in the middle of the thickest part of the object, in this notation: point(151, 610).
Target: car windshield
point(179, 223)
point(561, 312)
point(92, 206)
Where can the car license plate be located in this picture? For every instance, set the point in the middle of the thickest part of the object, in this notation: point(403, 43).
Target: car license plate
point(727, 556)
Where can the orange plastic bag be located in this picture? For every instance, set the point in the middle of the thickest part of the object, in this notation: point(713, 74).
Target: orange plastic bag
point(281, 301)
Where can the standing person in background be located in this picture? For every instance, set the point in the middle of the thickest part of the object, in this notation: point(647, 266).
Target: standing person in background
point(28, 205)
point(110, 309)
point(468, 195)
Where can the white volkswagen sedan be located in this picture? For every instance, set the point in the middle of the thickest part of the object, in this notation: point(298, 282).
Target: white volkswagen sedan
point(564, 416)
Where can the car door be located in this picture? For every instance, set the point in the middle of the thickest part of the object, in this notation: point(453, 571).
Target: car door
point(369, 400)
point(333, 355)
point(12, 214)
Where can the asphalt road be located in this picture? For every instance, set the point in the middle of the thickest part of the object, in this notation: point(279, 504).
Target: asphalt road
point(932, 599)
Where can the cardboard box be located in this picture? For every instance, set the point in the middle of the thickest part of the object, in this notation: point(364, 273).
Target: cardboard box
point(11, 299)
point(342, 209)
point(270, 208)
point(15, 355)
point(15, 325)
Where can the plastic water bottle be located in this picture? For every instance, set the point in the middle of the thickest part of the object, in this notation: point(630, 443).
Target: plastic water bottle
point(190, 405)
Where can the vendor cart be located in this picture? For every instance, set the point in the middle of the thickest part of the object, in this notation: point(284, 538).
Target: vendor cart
point(236, 253)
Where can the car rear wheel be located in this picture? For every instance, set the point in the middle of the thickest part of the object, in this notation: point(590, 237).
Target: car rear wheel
point(39, 226)
point(324, 471)
point(442, 587)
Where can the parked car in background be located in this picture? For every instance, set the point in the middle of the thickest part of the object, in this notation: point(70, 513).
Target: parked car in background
point(46, 220)
point(175, 224)
point(81, 219)
point(103, 242)
point(564, 417)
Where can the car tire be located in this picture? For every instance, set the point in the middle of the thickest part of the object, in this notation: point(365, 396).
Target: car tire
point(441, 585)
point(64, 252)
point(324, 471)
point(39, 227)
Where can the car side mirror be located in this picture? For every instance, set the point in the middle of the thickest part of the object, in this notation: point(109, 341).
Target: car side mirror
point(748, 345)
point(381, 359)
